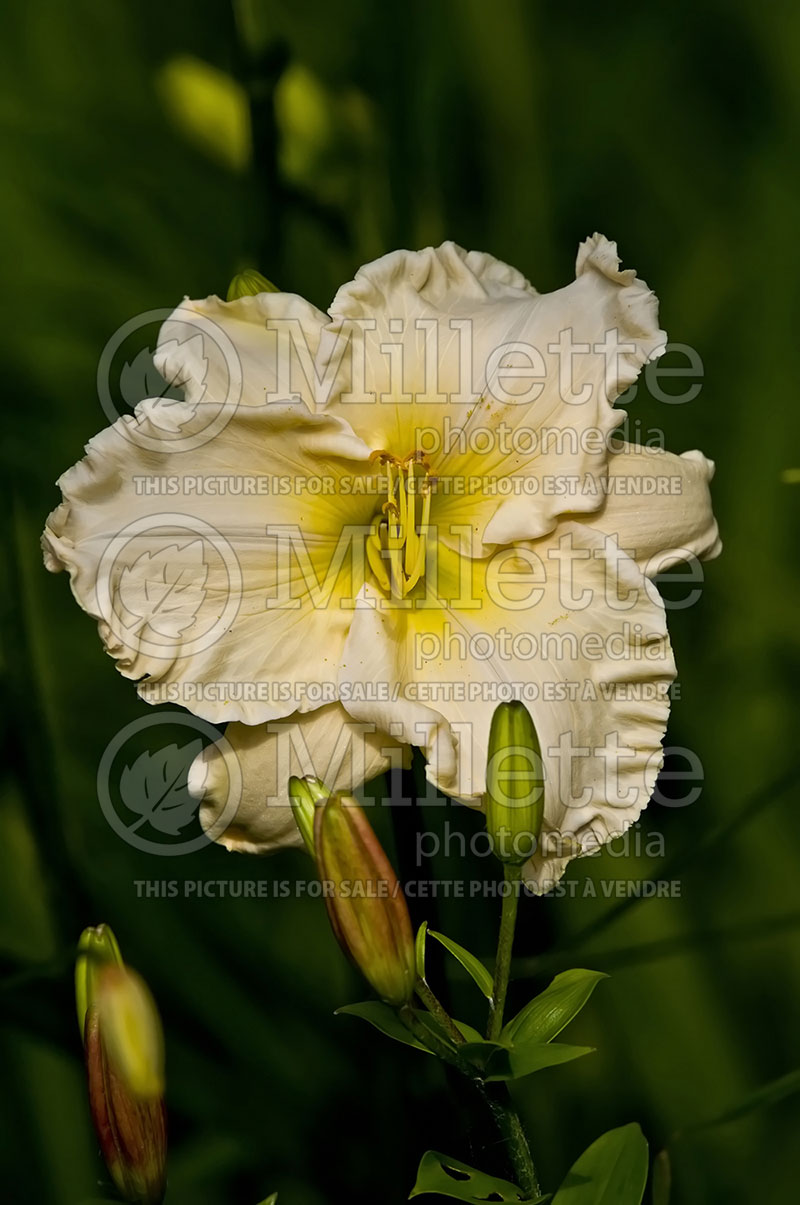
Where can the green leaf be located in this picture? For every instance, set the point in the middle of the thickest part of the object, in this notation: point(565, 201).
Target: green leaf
point(383, 1018)
point(613, 1171)
point(497, 1062)
point(662, 1179)
point(451, 1178)
point(469, 962)
point(270, 1200)
point(419, 949)
point(547, 1014)
point(480, 1053)
point(433, 1023)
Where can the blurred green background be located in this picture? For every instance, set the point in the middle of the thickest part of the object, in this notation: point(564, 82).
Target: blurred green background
point(150, 151)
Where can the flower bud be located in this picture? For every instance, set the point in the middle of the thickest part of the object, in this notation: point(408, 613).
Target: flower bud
point(131, 1029)
point(305, 794)
point(124, 1053)
point(366, 906)
point(514, 784)
point(248, 284)
point(97, 948)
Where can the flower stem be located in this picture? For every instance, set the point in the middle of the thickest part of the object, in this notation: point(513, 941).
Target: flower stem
point(432, 1041)
point(438, 1010)
point(497, 1096)
point(505, 942)
point(506, 1118)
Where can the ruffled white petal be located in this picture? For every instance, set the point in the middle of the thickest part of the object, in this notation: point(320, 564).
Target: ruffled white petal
point(196, 599)
point(240, 352)
point(596, 681)
point(401, 314)
point(326, 743)
point(658, 506)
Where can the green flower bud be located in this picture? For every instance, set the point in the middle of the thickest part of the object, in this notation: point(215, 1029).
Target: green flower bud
point(305, 794)
point(124, 1052)
point(514, 784)
point(249, 284)
point(97, 948)
point(366, 906)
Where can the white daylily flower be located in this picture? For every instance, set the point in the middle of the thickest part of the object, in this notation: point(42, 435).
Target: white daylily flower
point(446, 518)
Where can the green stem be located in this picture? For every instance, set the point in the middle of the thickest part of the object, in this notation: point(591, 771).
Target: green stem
point(507, 1120)
point(435, 1044)
point(438, 1010)
point(497, 1096)
point(505, 942)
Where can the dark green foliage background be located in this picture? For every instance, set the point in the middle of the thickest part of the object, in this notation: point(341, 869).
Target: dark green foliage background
point(518, 128)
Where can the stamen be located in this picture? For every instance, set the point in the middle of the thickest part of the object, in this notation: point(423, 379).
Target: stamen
point(375, 555)
point(411, 525)
point(419, 567)
point(393, 535)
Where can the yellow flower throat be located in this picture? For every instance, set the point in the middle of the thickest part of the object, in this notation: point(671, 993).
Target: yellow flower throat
point(396, 545)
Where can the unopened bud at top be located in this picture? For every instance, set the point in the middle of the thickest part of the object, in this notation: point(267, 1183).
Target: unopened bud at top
point(97, 948)
point(514, 784)
point(366, 906)
point(248, 284)
point(305, 794)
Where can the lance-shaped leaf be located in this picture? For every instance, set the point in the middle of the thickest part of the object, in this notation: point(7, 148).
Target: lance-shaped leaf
point(469, 962)
point(546, 1015)
point(384, 1019)
point(496, 1061)
point(612, 1171)
point(366, 906)
point(448, 1177)
point(440, 1031)
point(419, 950)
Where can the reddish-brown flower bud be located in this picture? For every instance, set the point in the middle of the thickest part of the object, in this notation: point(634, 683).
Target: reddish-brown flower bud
point(124, 1052)
point(366, 906)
